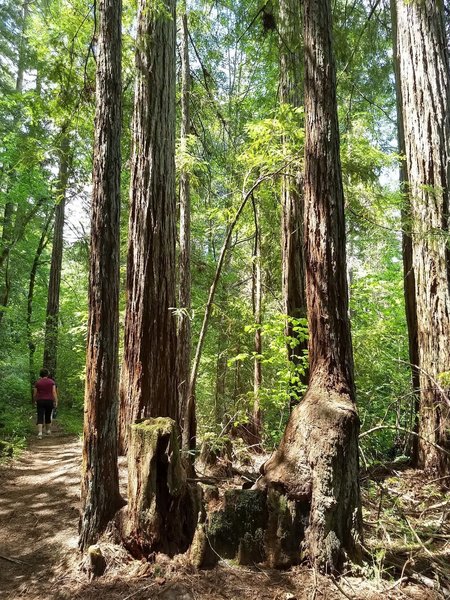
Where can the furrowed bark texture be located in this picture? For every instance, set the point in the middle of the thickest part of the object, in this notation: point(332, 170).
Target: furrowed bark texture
point(317, 461)
point(54, 283)
point(186, 399)
point(292, 199)
point(100, 498)
point(409, 284)
point(424, 76)
point(148, 383)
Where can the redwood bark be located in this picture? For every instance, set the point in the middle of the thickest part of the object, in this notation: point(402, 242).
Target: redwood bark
point(148, 383)
point(100, 497)
point(186, 399)
point(292, 200)
point(54, 284)
point(424, 77)
point(317, 461)
point(409, 285)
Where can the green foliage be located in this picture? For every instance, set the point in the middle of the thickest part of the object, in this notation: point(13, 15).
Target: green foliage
point(282, 383)
point(239, 133)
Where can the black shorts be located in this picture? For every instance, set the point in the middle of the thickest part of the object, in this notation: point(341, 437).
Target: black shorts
point(44, 410)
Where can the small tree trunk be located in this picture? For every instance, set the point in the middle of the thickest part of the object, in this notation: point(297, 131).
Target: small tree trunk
point(425, 93)
point(256, 425)
point(54, 285)
point(317, 461)
point(100, 497)
point(7, 237)
point(148, 384)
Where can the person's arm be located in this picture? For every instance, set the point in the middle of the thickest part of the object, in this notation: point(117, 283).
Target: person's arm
point(34, 394)
point(55, 396)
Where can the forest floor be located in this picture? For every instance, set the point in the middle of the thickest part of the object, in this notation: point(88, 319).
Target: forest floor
point(39, 559)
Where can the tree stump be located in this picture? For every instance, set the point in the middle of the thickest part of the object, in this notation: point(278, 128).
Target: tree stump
point(163, 509)
point(216, 459)
point(237, 530)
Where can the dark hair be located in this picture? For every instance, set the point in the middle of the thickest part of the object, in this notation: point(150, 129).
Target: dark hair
point(43, 372)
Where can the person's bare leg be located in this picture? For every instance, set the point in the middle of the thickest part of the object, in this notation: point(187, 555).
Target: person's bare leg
point(48, 429)
point(39, 430)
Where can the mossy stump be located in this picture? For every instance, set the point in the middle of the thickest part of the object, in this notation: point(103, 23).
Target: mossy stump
point(237, 530)
point(163, 509)
point(285, 530)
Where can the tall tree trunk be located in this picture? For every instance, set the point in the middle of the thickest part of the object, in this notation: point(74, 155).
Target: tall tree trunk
point(148, 383)
point(43, 240)
point(425, 92)
point(317, 461)
point(409, 284)
point(100, 497)
point(54, 284)
point(292, 200)
point(186, 401)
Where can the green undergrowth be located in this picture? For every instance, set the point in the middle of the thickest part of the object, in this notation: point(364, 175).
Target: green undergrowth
point(18, 424)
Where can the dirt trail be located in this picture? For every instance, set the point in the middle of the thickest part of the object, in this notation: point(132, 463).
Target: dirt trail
point(39, 496)
point(39, 559)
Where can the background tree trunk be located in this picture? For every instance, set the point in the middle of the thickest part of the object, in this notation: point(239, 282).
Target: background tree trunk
point(43, 240)
point(292, 200)
point(148, 383)
point(317, 461)
point(100, 497)
point(54, 284)
point(408, 271)
point(424, 76)
point(186, 402)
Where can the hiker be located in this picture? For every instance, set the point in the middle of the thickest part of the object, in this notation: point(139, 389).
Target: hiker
point(45, 399)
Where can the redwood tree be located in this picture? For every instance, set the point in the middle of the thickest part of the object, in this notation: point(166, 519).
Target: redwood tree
point(100, 497)
point(186, 399)
point(292, 200)
point(409, 284)
point(424, 77)
point(317, 461)
point(148, 382)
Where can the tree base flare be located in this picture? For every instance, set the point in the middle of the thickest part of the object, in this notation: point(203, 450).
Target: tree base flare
point(316, 466)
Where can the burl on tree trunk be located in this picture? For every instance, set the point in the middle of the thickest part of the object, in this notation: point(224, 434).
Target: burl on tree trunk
point(162, 508)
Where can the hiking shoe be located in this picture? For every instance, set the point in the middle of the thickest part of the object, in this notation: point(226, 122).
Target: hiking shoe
point(39, 436)
point(48, 433)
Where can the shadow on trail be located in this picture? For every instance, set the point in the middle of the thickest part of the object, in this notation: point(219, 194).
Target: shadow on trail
point(39, 496)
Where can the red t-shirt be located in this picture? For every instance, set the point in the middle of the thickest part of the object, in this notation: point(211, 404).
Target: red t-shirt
point(44, 388)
